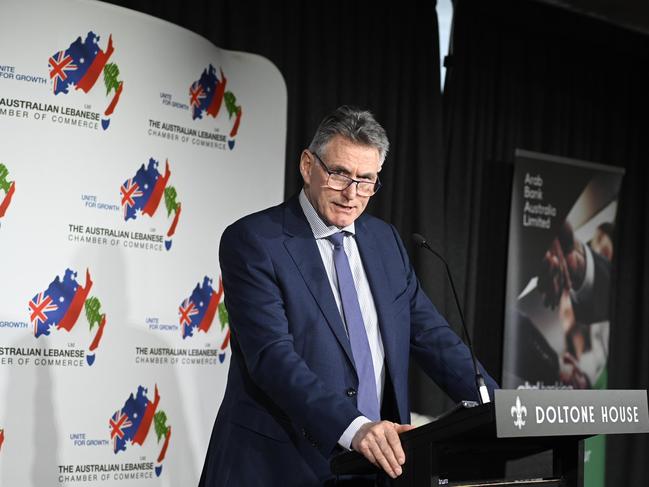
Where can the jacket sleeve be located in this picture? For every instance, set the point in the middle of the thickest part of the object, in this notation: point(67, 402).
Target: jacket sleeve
point(438, 350)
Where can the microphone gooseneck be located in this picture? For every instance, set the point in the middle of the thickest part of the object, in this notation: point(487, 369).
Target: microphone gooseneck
point(483, 393)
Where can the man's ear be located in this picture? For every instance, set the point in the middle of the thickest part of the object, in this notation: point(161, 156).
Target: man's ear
point(306, 166)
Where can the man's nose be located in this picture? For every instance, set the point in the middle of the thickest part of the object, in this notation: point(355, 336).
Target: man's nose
point(350, 191)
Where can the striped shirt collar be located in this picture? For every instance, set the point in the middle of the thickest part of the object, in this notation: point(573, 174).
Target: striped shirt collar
point(319, 228)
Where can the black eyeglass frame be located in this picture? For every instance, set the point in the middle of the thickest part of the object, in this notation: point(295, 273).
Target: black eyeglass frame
point(377, 184)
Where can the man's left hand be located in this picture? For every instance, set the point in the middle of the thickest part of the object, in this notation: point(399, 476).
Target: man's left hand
point(379, 442)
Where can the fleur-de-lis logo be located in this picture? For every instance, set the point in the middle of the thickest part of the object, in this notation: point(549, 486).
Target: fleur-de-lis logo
point(518, 412)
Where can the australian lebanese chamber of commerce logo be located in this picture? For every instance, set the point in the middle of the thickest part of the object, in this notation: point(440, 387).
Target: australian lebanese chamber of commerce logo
point(7, 189)
point(79, 66)
point(130, 425)
point(74, 73)
point(141, 195)
point(207, 96)
point(196, 314)
point(128, 433)
point(139, 199)
point(60, 306)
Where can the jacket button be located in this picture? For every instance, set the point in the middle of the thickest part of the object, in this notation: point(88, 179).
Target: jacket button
point(351, 392)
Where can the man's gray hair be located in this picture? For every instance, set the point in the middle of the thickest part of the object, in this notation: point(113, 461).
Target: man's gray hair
point(358, 126)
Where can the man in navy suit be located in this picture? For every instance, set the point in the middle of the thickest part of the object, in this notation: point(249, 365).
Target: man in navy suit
point(325, 311)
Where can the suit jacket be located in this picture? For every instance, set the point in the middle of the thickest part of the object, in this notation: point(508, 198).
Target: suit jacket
point(594, 306)
point(292, 384)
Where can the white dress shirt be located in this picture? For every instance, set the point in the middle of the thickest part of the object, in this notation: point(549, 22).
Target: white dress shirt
point(321, 231)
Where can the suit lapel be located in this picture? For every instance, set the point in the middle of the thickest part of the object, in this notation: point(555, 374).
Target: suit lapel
point(373, 263)
point(302, 247)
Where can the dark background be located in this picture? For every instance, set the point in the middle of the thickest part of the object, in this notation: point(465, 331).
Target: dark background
point(565, 77)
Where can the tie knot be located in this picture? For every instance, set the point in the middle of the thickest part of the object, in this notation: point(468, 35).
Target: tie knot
point(337, 239)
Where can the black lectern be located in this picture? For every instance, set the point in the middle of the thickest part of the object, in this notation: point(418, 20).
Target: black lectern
point(469, 445)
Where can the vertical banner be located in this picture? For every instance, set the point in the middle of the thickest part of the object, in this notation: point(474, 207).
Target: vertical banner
point(127, 145)
point(561, 244)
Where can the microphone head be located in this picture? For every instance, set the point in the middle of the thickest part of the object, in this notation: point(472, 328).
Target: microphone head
point(419, 239)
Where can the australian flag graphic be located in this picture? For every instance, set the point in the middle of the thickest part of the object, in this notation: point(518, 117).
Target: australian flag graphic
point(199, 309)
point(131, 423)
point(79, 65)
point(144, 191)
point(206, 94)
point(60, 304)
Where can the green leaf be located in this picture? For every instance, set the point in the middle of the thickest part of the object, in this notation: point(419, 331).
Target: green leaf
point(170, 199)
point(111, 75)
point(223, 316)
point(231, 103)
point(93, 311)
point(160, 422)
point(4, 183)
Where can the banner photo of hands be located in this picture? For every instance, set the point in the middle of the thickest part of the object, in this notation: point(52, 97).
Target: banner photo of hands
point(561, 246)
point(128, 145)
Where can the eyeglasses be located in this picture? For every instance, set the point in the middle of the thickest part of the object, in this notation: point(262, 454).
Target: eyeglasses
point(340, 182)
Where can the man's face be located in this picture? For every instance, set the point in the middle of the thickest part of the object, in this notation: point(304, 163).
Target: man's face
point(360, 162)
point(602, 244)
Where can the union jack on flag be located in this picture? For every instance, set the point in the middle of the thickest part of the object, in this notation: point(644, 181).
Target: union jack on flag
point(196, 94)
point(40, 305)
point(129, 191)
point(186, 310)
point(118, 423)
point(60, 65)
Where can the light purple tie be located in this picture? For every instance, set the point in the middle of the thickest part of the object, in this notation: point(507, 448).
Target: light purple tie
point(367, 400)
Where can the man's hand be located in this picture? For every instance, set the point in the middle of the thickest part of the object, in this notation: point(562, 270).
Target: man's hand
point(554, 277)
point(571, 374)
point(563, 266)
point(379, 442)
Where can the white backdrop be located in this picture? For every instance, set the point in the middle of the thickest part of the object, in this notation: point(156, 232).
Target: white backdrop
point(109, 275)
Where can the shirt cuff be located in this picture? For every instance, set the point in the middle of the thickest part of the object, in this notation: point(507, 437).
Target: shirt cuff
point(583, 294)
point(348, 435)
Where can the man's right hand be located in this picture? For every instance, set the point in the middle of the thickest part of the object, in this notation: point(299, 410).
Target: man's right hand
point(379, 442)
point(563, 266)
point(554, 277)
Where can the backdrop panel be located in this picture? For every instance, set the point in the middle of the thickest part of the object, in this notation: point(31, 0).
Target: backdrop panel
point(561, 247)
point(128, 144)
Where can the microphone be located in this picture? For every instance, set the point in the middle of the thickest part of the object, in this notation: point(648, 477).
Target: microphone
point(483, 393)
